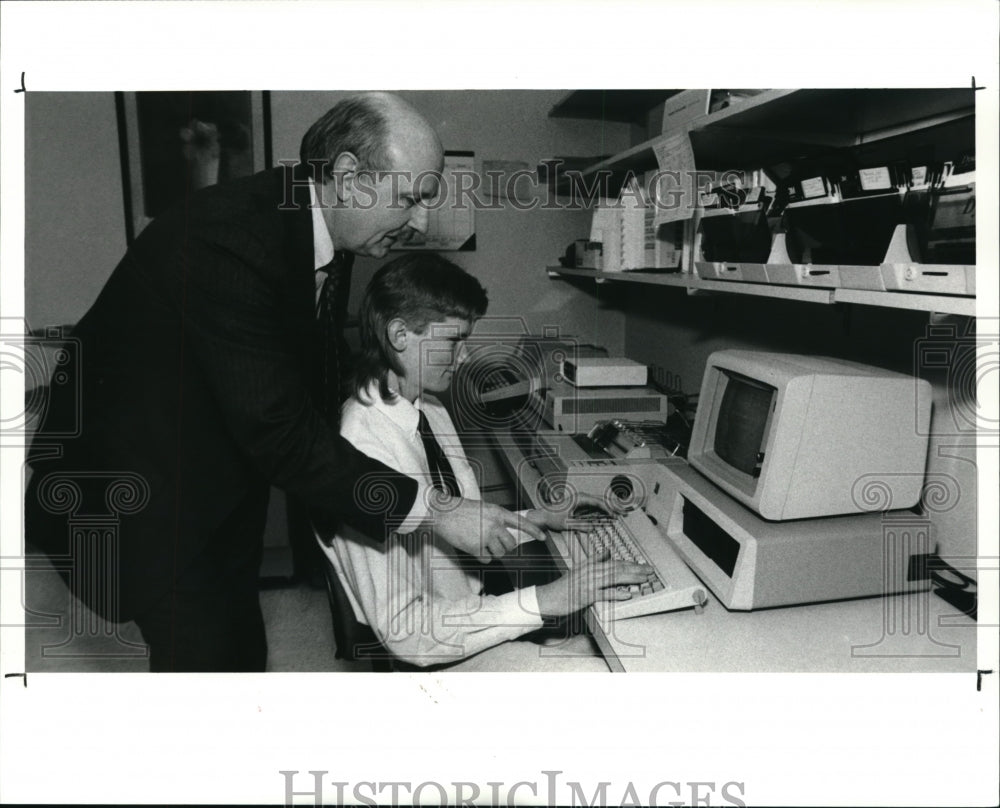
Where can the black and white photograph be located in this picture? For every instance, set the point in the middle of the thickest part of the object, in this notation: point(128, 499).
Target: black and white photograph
point(177, 142)
point(642, 429)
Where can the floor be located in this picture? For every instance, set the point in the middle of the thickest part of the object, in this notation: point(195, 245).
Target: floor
point(296, 618)
point(299, 631)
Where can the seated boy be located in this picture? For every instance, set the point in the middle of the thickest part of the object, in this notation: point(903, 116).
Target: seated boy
point(423, 599)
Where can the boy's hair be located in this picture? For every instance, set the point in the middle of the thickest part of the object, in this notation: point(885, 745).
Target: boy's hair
point(419, 288)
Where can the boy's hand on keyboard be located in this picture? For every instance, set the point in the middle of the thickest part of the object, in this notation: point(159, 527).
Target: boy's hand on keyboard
point(593, 580)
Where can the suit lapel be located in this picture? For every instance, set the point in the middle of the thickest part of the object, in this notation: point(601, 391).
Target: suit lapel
point(299, 305)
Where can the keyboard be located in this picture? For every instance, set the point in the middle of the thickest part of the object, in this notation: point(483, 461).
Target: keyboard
point(501, 383)
point(633, 537)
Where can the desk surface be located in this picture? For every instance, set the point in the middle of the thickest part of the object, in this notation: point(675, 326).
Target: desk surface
point(915, 632)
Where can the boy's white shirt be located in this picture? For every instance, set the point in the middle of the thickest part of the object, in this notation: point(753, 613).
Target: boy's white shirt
point(409, 588)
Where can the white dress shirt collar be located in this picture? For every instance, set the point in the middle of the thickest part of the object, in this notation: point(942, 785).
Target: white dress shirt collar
point(322, 240)
point(399, 410)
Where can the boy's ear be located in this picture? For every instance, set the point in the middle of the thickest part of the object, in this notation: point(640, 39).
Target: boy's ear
point(396, 332)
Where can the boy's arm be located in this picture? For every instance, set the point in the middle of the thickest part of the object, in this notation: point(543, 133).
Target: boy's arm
point(426, 632)
point(450, 630)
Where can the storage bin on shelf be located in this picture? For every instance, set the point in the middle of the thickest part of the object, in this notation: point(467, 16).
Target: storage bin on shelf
point(933, 250)
point(734, 236)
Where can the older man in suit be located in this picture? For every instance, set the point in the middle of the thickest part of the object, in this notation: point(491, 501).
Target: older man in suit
point(210, 368)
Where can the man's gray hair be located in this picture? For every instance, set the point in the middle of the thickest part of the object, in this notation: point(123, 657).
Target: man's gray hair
point(357, 125)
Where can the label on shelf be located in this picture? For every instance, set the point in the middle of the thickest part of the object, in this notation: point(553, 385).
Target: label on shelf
point(875, 179)
point(683, 107)
point(815, 186)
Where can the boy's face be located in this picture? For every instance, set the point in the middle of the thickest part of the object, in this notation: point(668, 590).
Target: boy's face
point(430, 358)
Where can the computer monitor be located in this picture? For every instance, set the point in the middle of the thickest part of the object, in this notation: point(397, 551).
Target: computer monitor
point(798, 437)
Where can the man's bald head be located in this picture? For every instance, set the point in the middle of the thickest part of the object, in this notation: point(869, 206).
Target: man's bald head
point(376, 162)
point(381, 130)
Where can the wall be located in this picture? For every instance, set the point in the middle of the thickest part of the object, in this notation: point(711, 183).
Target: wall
point(75, 221)
point(513, 247)
point(75, 215)
point(668, 329)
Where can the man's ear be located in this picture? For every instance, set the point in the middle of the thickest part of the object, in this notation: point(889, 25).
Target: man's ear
point(345, 171)
point(396, 331)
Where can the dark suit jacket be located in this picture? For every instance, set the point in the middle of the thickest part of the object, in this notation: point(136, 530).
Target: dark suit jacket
point(193, 370)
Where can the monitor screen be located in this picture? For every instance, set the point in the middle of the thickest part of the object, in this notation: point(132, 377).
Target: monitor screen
point(741, 430)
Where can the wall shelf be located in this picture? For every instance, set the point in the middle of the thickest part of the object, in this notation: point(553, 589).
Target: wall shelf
point(623, 106)
point(804, 294)
point(786, 126)
point(792, 124)
point(942, 304)
point(681, 279)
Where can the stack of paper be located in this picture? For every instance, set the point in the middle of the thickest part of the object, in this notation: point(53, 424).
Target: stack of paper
point(606, 227)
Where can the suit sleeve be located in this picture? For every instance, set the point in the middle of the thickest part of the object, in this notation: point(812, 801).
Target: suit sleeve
point(347, 358)
point(233, 329)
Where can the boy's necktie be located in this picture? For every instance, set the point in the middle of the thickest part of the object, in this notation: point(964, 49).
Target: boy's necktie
point(494, 576)
point(442, 473)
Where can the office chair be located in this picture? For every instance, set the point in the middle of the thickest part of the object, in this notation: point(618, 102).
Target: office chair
point(354, 641)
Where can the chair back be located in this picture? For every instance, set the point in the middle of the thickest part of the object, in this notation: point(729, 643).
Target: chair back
point(353, 639)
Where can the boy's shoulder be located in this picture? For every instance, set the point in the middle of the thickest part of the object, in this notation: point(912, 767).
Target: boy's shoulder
point(352, 408)
point(357, 413)
point(364, 410)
